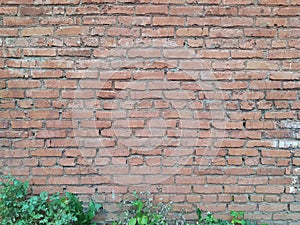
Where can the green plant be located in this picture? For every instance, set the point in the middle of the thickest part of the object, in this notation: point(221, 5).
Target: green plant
point(209, 219)
point(238, 218)
point(45, 209)
point(17, 208)
point(12, 195)
point(76, 208)
point(142, 210)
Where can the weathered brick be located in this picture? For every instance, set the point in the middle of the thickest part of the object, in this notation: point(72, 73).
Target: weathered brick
point(13, 21)
point(130, 90)
point(37, 31)
point(72, 31)
point(191, 32)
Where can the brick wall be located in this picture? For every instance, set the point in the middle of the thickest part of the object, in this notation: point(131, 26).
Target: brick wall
point(194, 100)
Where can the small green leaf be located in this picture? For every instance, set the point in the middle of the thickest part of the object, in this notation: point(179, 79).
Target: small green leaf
point(144, 220)
point(132, 221)
point(199, 213)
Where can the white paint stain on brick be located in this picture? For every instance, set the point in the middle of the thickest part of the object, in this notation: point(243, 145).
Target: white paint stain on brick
point(296, 171)
point(275, 144)
point(292, 190)
point(294, 180)
point(289, 144)
point(290, 124)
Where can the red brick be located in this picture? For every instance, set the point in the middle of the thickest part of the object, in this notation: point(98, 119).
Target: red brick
point(231, 143)
point(35, 11)
point(81, 74)
point(273, 2)
point(270, 171)
point(151, 9)
point(11, 94)
point(243, 152)
point(275, 207)
point(260, 125)
point(62, 143)
point(42, 94)
point(51, 64)
point(178, 53)
point(238, 189)
point(37, 31)
point(287, 54)
point(104, 53)
point(23, 84)
point(279, 115)
point(115, 75)
point(126, 32)
point(95, 124)
point(13, 21)
point(207, 189)
point(60, 124)
point(61, 2)
point(236, 2)
point(226, 65)
point(176, 189)
point(78, 114)
point(81, 190)
point(72, 31)
point(83, 10)
point(245, 115)
point(158, 32)
point(243, 95)
point(225, 32)
point(129, 123)
point(227, 125)
point(264, 85)
point(145, 53)
point(167, 2)
point(276, 153)
point(74, 52)
point(29, 144)
point(43, 114)
point(166, 21)
point(9, 10)
point(236, 21)
point(98, 19)
point(200, 21)
point(213, 54)
point(60, 84)
point(46, 74)
point(8, 114)
point(6, 32)
point(191, 32)
point(281, 105)
point(47, 171)
point(286, 95)
point(39, 52)
point(271, 22)
point(63, 180)
point(17, 2)
point(46, 153)
point(51, 134)
point(77, 94)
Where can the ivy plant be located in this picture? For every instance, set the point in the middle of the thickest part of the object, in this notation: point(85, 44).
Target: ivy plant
point(18, 208)
point(140, 209)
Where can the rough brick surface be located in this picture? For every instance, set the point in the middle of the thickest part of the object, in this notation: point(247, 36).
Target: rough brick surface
point(196, 101)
